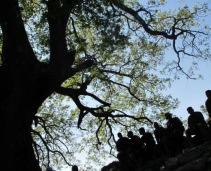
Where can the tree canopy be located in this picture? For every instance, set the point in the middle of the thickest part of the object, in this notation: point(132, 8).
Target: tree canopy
point(73, 73)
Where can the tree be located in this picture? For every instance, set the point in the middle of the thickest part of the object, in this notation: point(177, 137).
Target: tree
point(106, 50)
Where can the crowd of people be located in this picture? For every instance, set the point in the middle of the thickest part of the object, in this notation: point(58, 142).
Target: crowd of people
point(167, 141)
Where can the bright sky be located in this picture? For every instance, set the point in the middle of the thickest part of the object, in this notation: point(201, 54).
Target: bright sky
point(189, 92)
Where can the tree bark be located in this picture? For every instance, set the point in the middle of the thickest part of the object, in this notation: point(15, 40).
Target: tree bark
point(25, 93)
point(25, 84)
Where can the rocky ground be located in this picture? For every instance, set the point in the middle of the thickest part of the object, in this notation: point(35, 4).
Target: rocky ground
point(192, 159)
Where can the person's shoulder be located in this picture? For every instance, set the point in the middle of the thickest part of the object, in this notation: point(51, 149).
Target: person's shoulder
point(135, 137)
point(161, 128)
point(148, 134)
point(175, 118)
point(190, 116)
point(197, 112)
point(125, 138)
point(208, 100)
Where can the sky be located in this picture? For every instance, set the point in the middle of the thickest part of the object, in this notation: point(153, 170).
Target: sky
point(188, 91)
point(191, 92)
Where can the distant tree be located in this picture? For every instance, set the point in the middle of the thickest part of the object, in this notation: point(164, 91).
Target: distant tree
point(56, 53)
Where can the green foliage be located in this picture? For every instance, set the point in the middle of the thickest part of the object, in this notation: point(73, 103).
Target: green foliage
point(130, 71)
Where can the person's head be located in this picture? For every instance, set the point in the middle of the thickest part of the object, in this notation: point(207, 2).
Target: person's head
point(168, 115)
point(156, 125)
point(119, 135)
point(74, 168)
point(208, 93)
point(49, 169)
point(190, 110)
point(130, 134)
point(141, 130)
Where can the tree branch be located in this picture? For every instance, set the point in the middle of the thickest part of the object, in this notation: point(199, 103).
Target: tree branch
point(14, 35)
point(142, 22)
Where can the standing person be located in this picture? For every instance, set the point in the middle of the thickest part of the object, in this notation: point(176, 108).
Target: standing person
point(208, 107)
point(134, 142)
point(173, 124)
point(195, 121)
point(122, 143)
point(148, 145)
point(147, 138)
point(159, 132)
point(174, 135)
point(208, 102)
point(160, 135)
point(134, 145)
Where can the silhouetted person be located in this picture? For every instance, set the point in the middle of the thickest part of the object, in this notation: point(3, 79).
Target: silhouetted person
point(148, 145)
point(147, 138)
point(122, 143)
point(208, 107)
point(173, 123)
point(74, 168)
point(159, 132)
point(134, 142)
point(208, 102)
point(209, 129)
point(125, 161)
point(160, 135)
point(195, 121)
point(174, 134)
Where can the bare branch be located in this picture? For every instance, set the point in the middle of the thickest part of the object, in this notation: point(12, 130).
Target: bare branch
point(36, 150)
point(143, 23)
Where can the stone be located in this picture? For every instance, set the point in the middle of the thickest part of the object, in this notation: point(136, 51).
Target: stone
point(189, 156)
point(195, 165)
point(172, 163)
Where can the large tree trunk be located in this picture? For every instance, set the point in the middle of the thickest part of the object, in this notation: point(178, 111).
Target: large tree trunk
point(16, 141)
point(25, 84)
point(23, 93)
